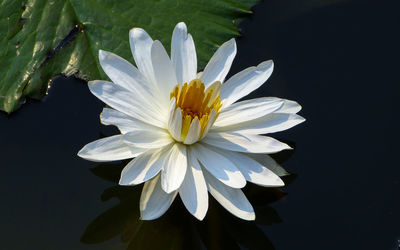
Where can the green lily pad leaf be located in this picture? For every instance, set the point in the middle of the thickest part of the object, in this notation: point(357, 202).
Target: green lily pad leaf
point(40, 39)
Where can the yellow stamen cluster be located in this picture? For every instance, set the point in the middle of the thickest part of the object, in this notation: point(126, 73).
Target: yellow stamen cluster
point(196, 101)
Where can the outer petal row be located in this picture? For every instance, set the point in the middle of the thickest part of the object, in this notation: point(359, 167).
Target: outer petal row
point(253, 171)
point(109, 149)
point(154, 201)
point(232, 199)
point(270, 123)
point(247, 110)
point(245, 143)
point(193, 191)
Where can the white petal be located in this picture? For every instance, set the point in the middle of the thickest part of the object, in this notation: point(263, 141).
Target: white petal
point(174, 169)
point(124, 122)
point(126, 102)
point(176, 125)
point(124, 74)
point(143, 167)
point(232, 199)
point(109, 149)
point(290, 107)
point(193, 190)
point(154, 202)
point(183, 54)
point(270, 123)
point(247, 110)
point(269, 163)
point(141, 44)
point(151, 138)
point(245, 82)
point(164, 72)
point(219, 166)
point(219, 64)
point(253, 171)
point(194, 132)
point(245, 143)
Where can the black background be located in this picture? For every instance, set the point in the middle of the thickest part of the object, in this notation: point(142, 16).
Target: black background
point(340, 61)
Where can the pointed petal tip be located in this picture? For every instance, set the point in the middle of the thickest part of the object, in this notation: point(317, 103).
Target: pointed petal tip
point(288, 147)
point(126, 183)
point(266, 64)
point(201, 210)
point(144, 216)
point(135, 31)
point(181, 25)
point(102, 53)
point(156, 43)
point(92, 84)
point(168, 188)
point(200, 216)
point(301, 119)
point(285, 146)
point(122, 181)
point(136, 34)
point(81, 153)
point(241, 184)
point(84, 155)
point(278, 183)
point(232, 42)
point(251, 216)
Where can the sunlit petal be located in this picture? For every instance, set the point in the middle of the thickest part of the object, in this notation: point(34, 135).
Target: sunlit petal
point(245, 143)
point(232, 199)
point(245, 82)
point(110, 148)
point(183, 54)
point(174, 169)
point(193, 190)
point(219, 166)
point(220, 63)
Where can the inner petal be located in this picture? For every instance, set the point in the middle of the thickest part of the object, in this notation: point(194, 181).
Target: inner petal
point(194, 101)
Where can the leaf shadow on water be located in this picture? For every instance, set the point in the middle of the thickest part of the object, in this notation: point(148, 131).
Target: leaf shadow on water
point(177, 229)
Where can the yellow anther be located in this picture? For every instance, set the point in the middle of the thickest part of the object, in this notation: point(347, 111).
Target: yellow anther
point(196, 101)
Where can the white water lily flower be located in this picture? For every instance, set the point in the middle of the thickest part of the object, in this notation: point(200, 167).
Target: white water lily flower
point(185, 131)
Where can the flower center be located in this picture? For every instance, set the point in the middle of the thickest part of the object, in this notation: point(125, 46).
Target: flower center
point(199, 108)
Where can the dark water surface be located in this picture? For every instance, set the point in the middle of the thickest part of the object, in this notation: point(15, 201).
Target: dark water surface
point(339, 60)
